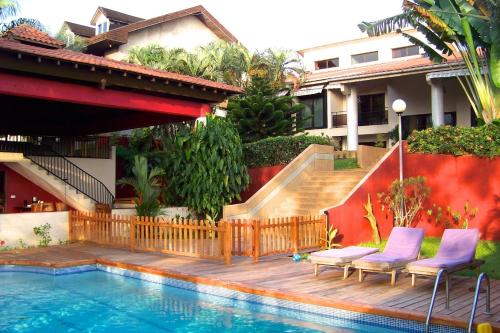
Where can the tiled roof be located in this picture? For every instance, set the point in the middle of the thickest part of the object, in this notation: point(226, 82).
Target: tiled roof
point(91, 60)
point(121, 34)
point(119, 16)
point(392, 67)
point(27, 33)
point(80, 30)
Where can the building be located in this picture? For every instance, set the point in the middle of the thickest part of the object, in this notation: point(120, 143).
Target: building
point(56, 105)
point(350, 86)
point(115, 33)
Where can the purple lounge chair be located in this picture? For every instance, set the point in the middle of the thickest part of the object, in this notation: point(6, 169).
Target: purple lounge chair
point(456, 252)
point(339, 257)
point(403, 247)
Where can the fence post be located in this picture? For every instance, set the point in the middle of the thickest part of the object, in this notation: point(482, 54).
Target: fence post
point(227, 242)
point(295, 235)
point(70, 226)
point(256, 240)
point(324, 230)
point(132, 232)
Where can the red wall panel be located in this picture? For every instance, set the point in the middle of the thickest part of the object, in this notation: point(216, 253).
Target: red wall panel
point(453, 181)
point(23, 189)
point(258, 178)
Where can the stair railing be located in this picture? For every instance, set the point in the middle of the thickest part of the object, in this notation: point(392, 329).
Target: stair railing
point(481, 277)
point(433, 299)
point(59, 166)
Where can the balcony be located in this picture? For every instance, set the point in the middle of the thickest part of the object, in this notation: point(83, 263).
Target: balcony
point(339, 119)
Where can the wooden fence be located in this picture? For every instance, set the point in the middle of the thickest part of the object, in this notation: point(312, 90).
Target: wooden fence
point(199, 238)
point(258, 238)
point(193, 238)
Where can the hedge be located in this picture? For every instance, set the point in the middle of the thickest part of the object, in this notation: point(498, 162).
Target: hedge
point(483, 141)
point(278, 150)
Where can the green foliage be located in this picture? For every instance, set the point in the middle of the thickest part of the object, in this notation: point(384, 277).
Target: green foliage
point(260, 113)
point(43, 232)
point(279, 150)
point(452, 218)
point(72, 41)
point(10, 9)
point(489, 251)
point(483, 141)
point(220, 61)
point(451, 27)
point(205, 166)
point(412, 193)
point(345, 163)
point(372, 220)
point(147, 187)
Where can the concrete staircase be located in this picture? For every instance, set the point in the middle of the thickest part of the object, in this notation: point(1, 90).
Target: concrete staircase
point(52, 184)
point(322, 189)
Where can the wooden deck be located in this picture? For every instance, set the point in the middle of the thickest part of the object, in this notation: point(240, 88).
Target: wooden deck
point(280, 277)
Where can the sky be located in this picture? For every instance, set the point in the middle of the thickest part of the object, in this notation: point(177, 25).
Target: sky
point(258, 24)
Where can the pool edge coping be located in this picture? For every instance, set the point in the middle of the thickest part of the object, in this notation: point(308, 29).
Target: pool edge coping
point(240, 287)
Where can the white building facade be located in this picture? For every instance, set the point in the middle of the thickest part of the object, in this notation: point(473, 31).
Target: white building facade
point(350, 87)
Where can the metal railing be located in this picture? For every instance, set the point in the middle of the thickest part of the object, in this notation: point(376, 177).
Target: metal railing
point(481, 277)
point(80, 147)
point(433, 299)
point(55, 164)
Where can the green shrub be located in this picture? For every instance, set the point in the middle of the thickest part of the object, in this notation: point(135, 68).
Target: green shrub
point(481, 141)
point(279, 150)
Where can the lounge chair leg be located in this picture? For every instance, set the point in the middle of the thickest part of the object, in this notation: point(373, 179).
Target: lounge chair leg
point(447, 286)
point(361, 276)
point(393, 277)
point(346, 271)
point(413, 280)
point(316, 268)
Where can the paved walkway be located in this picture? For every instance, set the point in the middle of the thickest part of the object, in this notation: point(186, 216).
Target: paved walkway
point(279, 276)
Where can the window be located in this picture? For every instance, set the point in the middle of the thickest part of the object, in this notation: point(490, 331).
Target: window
point(102, 27)
point(422, 121)
point(372, 110)
point(405, 51)
point(364, 57)
point(328, 63)
point(314, 111)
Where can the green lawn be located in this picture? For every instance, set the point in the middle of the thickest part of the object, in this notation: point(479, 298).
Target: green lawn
point(345, 163)
point(486, 250)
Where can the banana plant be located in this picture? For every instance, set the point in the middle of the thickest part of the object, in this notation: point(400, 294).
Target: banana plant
point(331, 233)
point(469, 28)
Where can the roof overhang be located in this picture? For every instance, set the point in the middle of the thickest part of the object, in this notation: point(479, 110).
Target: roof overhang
point(309, 90)
point(103, 45)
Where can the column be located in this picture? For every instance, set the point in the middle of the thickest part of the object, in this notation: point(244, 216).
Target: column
point(437, 102)
point(352, 119)
point(329, 108)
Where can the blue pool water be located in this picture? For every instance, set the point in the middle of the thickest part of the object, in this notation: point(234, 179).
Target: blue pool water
point(102, 302)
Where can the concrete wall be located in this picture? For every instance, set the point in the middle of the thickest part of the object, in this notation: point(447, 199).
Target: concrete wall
point(169, 212)
point(344, 50)
point(20, 226)
point(102, 169)
point(187, 32)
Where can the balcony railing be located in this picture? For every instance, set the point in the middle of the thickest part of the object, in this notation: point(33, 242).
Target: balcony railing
point(372, 118)
point(82, 147)
point(339, 119)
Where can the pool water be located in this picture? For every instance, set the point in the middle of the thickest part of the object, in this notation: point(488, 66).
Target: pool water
point(102, 302)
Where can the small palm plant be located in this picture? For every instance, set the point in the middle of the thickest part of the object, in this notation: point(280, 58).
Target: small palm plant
point(331, 233)
point(147, 187)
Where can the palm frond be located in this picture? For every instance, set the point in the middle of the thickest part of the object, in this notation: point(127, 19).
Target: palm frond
point(387, 25)
point(430, 52)
point(17, 22)
point(8, 8)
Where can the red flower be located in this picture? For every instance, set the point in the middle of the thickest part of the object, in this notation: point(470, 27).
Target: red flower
point(2, 243)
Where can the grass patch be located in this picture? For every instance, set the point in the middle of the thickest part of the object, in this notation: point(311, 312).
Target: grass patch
point(345, 163)
point(488, 251)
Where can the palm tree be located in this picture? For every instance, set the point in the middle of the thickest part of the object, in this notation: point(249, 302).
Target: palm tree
point(10, 8)
point(470, 28)
point(277, 66)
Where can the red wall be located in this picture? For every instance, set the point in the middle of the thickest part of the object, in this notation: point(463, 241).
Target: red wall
point(23, 189)
point(258, 178)
point(453, 181)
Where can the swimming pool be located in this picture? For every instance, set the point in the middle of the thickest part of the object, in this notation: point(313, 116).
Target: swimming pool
point(97, 301)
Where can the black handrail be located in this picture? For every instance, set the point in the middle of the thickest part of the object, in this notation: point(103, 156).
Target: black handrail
point(62, 168)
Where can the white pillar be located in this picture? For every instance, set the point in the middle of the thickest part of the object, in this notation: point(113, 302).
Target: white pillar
point(352, 119)
point(329, 108)
point(437, 102)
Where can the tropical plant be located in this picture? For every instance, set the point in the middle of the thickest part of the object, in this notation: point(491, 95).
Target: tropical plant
point(329, 240)
point(71, 41)
point(10, 8)
point(405, 200)
point(470, 28)
point(43, 232)
point(260, 113)
point(277, 67)
point(205, 167)
point(372, 220)
point(452, 217)
point(147, 187)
